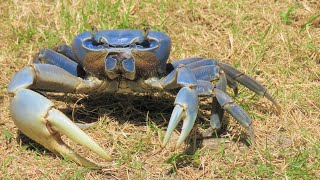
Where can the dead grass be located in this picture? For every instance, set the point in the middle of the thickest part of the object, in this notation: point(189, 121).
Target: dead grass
point(275, 42)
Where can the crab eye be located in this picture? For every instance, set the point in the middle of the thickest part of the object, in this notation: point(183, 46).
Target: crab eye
point(99, 42)
point(102, 41)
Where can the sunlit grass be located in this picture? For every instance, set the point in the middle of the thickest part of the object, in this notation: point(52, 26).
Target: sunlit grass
point(276, 42)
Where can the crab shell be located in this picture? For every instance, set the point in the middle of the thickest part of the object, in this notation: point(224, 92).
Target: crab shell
point(130, 53)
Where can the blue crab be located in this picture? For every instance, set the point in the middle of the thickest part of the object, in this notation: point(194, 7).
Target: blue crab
point(120, 61)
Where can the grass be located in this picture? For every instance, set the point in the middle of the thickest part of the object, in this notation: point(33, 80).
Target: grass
point(286, 14)
point(277, 43)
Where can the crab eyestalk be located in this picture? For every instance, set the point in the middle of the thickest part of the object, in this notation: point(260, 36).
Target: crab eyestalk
point(145, 31)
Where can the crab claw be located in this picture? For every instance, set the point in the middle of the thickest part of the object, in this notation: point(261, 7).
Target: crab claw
point(36, 117)
point(186, 108)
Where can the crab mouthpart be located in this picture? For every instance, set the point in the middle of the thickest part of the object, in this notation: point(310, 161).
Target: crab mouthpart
point(120, 65)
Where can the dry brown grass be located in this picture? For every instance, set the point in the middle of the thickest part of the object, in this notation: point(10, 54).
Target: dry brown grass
point(249, 34)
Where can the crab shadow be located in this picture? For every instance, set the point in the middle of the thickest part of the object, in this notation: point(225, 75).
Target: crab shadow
point(134, 109)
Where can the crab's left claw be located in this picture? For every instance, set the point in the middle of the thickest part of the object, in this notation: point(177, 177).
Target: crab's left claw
point(186, 109)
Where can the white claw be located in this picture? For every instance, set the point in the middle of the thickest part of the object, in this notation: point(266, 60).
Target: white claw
point(186, 128)
point(61, 123)
point(186, 109)
point(174, 120)
point(35, 116)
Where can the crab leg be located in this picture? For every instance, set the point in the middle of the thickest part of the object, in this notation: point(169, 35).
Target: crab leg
point(186, 61)
point(206, 88)
point(210, 71)
point(233, 85)
point(193, 63)
point(49, 56)
point(247, 82)
point(203, 69)
point(67, 51)
point(235, 110)
point(217, 111)
point(36, 116)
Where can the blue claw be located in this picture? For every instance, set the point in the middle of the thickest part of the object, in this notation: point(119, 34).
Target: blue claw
point(186, 108)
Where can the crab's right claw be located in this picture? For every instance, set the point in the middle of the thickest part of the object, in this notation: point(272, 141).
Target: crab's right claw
point(36, 117)
point(186, 109)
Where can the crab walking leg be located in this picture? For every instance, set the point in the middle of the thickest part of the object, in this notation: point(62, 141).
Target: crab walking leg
point(248, 82)
point(236, 111)
point(206, 88)
point(67, 51)
point(186, 61)
point(48, 56)
point(217, 111)
point(193, 63)
point(233, 85)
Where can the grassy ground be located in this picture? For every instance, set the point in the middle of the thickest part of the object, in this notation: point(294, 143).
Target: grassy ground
point(276, 42)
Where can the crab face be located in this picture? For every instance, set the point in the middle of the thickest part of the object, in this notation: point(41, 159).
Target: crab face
point(128, 54)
